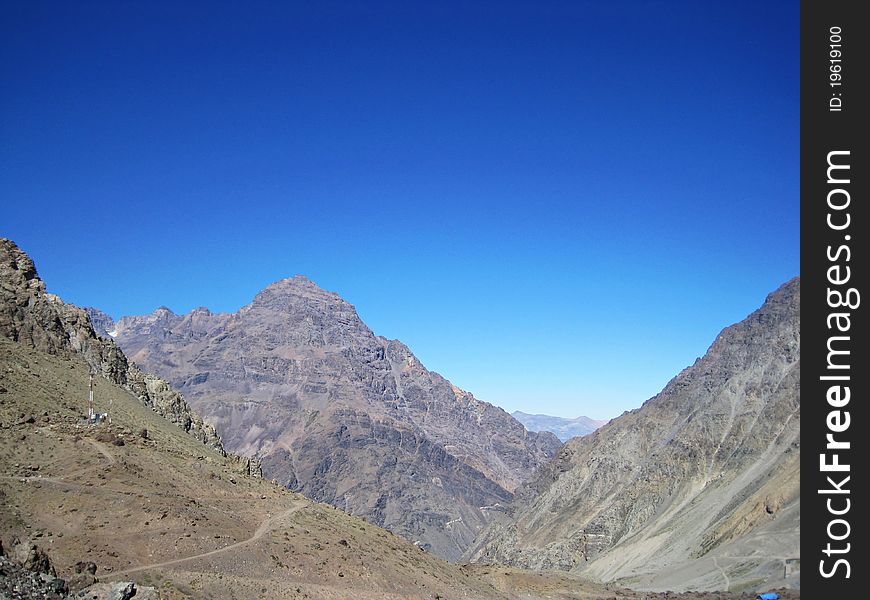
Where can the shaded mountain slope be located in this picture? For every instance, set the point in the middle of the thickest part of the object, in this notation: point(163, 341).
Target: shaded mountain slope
point(697, 489)
point(340, 414)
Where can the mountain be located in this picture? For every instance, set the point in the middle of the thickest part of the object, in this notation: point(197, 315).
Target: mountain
point(103, 324)
point(561, 427)
point(344, 416)
point(697, 489)
point(30, 315)
point(167, 513)
point(146, 502)
point(142, 505)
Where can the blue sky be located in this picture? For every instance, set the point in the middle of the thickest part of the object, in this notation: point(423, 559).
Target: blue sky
point(556, 205)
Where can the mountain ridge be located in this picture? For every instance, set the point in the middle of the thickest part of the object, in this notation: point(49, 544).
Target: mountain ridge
point(32, 316)
point(702, 480)
point(250, 537)
point(341, 414)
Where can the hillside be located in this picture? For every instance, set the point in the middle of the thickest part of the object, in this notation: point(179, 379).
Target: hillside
point(697, 489)
point(168, 511)
point(341, 415)
point(149, 495)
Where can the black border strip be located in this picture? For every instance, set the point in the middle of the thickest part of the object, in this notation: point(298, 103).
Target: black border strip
point(834, 229)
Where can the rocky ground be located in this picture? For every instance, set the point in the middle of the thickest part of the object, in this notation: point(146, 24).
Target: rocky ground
point(147, 503)
point(36, 579)
point(17, 581)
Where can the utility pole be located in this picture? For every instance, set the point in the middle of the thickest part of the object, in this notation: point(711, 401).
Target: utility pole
point(91, 399)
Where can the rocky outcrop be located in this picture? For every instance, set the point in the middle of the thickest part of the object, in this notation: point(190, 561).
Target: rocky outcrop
point(103, 324)
point(697, 489)
point(169, 403)
point(31, 316)
point(246, 465)
point(340, 414)
point(30, 581)
point(37, 560)
point(33, 577)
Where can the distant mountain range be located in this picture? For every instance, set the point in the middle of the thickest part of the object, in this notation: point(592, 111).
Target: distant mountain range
point(563, 428)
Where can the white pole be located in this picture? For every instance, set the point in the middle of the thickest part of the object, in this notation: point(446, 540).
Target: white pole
point(91, 399)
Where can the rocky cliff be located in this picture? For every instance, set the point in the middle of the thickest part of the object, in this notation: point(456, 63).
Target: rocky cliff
point(31, 316)
point(340, 414)
point(103, 324)
point(697, 489)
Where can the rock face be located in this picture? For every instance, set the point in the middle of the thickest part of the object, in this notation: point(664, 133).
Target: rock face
point(36, 579)
point(562, 428)
point(340, 414)
point(31, 316)
point(697, 489)
point(24, 581)
point(103, 324)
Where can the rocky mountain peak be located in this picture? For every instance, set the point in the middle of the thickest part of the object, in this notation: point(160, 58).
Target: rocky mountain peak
point(296, 311)
point(297, 290)
point(103, 324)
point(18, 274)
point(344, 416)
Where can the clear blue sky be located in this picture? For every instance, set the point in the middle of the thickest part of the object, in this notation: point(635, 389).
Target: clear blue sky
point(555, 205)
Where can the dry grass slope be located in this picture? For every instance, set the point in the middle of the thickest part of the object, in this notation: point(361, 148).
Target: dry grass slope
point(169, 511)
point(166, 510)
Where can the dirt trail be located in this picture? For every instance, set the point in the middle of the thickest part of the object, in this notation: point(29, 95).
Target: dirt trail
point(102, 450)
point(723, 573)
point(61, 479)
point(265, 527)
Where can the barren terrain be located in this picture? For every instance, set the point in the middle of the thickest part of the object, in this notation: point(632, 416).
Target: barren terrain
point(163, 509)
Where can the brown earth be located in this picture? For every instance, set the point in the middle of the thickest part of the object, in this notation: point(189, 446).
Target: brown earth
point(168, 511)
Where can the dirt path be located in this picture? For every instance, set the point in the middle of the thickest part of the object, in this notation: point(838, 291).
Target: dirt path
point(724, 574)
point(102, 450)
point(265, 527)
point(60, 479)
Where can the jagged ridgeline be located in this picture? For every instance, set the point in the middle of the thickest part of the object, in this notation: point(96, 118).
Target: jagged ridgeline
point(150, 506)
point(697, 489)
point(340, 414)
point(31, 316)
